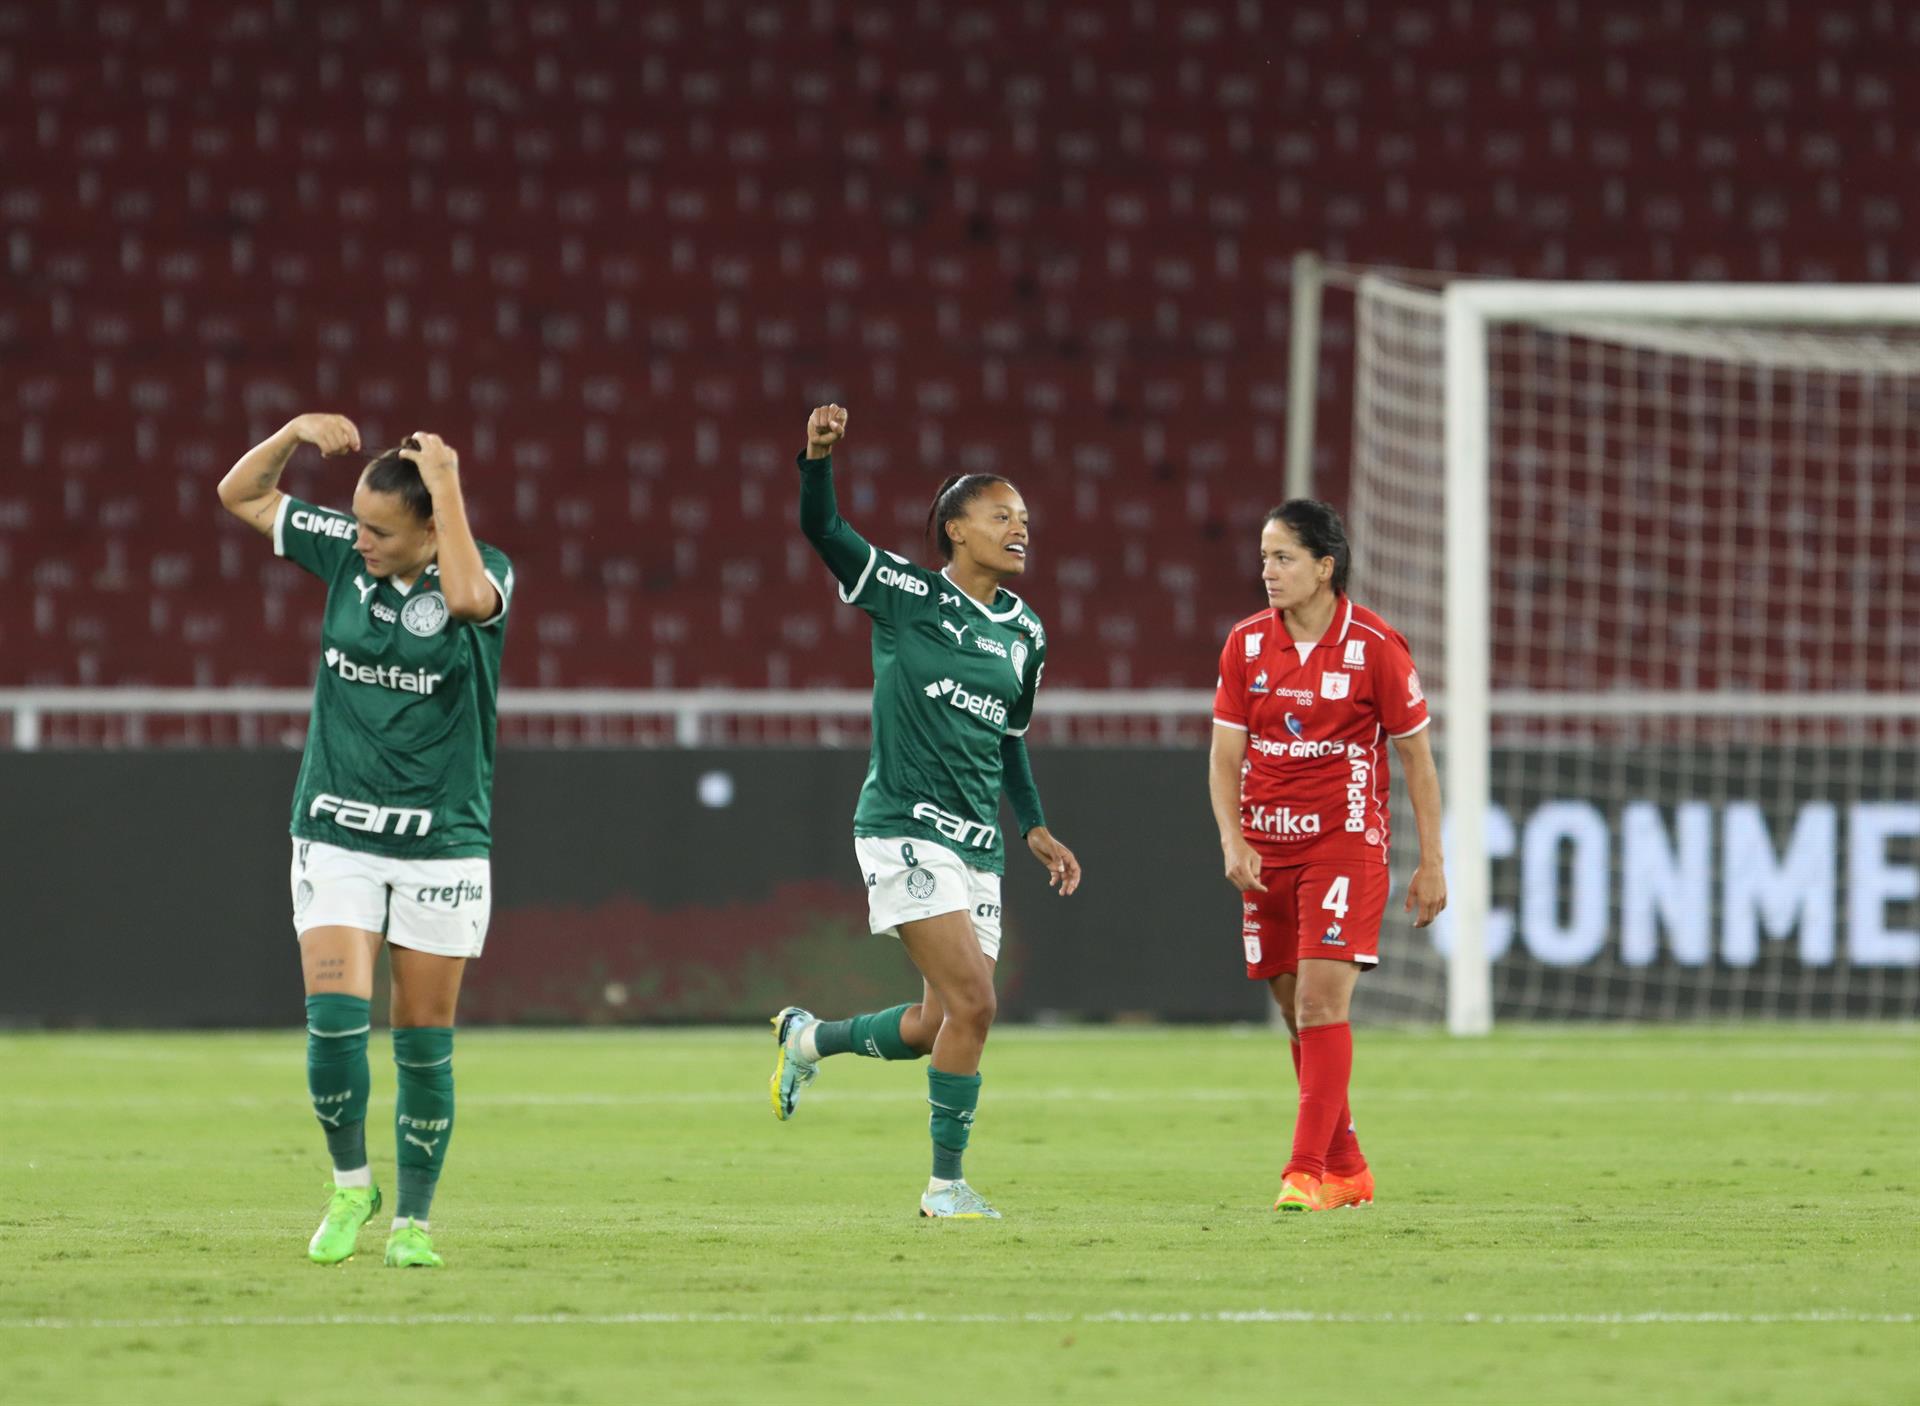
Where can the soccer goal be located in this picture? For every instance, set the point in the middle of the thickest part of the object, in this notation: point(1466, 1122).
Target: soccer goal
point(1656, 548)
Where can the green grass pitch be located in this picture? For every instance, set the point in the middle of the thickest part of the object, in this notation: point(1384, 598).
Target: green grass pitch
point(1699, 1214)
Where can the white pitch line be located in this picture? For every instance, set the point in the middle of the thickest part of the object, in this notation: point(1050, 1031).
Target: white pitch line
point(1252, 1316)
point(756, 1099)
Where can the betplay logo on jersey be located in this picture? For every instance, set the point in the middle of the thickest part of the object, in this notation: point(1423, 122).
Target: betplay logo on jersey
point(982, 705)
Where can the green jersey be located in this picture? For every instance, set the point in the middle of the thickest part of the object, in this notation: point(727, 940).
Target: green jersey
point(953, 689)
point(399, 758)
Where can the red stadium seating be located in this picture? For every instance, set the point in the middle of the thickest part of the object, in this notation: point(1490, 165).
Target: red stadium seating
point(615, 253)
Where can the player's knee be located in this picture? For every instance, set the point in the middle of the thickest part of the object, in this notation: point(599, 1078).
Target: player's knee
point(973, 1009)
point(1312, 1009)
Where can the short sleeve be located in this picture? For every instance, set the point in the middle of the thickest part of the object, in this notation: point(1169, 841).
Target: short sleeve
point(320, 539)
point(1021, 715)
point(1396, 689)
point(891, 587)
point(500, 573)
point(1230, 687)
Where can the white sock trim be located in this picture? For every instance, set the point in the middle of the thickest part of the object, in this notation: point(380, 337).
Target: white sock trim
point(809, 1046)
point(361, 1177)
point(401, 1222)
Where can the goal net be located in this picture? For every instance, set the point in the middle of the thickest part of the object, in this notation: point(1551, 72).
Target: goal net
point(1657, 553)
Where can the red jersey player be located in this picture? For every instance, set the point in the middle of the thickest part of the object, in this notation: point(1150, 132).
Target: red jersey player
point(1309, 691)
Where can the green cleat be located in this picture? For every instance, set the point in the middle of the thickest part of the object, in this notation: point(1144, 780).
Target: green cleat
point(956, 1202)
point(339, 1232)
point(410, 1248)
point(791, 1072)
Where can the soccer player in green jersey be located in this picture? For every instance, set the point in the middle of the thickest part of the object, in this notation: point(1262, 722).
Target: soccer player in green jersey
point(392, 811)
point(956, 664)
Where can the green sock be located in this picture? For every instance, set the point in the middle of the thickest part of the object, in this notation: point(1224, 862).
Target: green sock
point(876, 1036)
point(423, 1112)
point(953, 1098)
point(337, 1075)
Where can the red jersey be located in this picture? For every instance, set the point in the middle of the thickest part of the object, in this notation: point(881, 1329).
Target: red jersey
point(1317, 718)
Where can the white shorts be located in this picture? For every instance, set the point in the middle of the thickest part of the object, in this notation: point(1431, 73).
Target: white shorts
point(440, 906)
point(908, 880)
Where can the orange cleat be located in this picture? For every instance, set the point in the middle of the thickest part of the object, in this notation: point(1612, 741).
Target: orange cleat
point(1347, 1191)
point(1298, 1192)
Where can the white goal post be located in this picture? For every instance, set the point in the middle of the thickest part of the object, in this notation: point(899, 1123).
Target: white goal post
point(1722, 405)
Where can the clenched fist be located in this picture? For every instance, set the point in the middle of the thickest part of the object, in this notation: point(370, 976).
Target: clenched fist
point(330, 434)
point(434, 456)
point(825, 428)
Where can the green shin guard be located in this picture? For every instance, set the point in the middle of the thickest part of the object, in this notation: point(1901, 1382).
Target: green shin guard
point(876, 1036)
point(423, 1113)
point(337, 1074)
point(953, 1098)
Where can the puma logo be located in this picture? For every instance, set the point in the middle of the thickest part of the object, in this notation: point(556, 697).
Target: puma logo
point(365, 588)
point(332, 1120)
point(959, 631)
point(422, 1144)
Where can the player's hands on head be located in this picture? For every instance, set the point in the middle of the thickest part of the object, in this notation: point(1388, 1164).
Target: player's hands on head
point(330, 434)
point(1063, 870)
point(825, 428)
point(433, 454)
point(1427, 894)
point(1243, 865)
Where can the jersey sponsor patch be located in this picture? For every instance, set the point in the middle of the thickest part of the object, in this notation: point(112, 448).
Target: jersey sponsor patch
point(986, 706)
point(319, 523)
point(383, 675)
point(1253, 643)
point(1356, 655)
point(369, 818)
point(900, 580)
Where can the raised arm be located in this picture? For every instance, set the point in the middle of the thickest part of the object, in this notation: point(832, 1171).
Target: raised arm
point(463, 577)
point(251, 489)
point(846, 553)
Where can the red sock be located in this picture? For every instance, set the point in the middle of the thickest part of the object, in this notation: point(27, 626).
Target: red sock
point(1344, 1157)
point(1326, 1064)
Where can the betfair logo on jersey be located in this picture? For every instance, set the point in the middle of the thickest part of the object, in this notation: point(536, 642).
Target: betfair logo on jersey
point(900, 580)
point(369, 818)
point(1279, 820)
point(321, 524)
point(955, 827)
point(982, 705)
point(385, 676)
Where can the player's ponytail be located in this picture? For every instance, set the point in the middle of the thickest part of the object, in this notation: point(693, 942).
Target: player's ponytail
point(392, 474)
point(951, 502)
point(1320, 531)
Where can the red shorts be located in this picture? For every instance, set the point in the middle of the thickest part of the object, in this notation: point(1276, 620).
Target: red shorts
point(1328, 911)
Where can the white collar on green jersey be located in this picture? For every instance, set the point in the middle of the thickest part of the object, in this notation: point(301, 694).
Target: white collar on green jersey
point(1013, 610)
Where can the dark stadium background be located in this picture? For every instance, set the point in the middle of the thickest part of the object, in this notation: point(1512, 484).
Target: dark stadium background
point(615, 252)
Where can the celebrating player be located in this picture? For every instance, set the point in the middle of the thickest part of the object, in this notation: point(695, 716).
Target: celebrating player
point(392, 809)
point(1308, 687)
point(956, 665)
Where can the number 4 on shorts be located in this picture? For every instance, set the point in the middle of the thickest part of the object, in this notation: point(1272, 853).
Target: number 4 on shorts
point(1336, 899)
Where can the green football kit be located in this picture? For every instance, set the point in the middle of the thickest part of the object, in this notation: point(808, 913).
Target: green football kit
point(954, 683)
point(399, 756)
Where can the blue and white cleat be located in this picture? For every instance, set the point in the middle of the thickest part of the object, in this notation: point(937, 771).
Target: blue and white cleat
point(792, 1072)
point(956, 1202)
